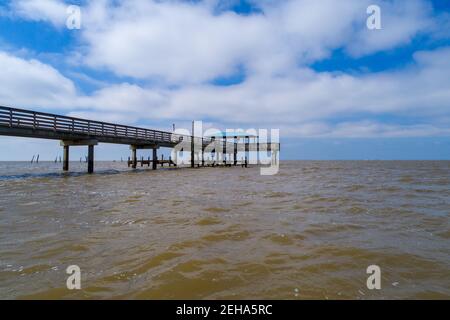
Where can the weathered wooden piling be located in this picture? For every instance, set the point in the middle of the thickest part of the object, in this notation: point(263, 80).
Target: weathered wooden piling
point(235, 150)
point(134, 157)
point(193, 146)
point(155, 158)
point(66, 158)
point(66, 144)
point(91, 158)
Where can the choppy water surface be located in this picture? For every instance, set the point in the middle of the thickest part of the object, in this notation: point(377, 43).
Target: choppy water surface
point(308, 232)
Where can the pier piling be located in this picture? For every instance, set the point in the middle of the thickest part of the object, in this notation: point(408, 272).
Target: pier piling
point(154, 158)
point(66, 158)
point(85, 142)
point(235, 150)
point(192, 147)
point(91, 159)
point(134, 158)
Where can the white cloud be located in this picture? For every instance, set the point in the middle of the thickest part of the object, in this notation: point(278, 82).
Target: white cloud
point(364, 129)
point(309, 96)
point(53, 11)
point(188, 44)
point(401, 21)
point(32, 83)
point(305, 103)
point(169, 41)
point(179, 42)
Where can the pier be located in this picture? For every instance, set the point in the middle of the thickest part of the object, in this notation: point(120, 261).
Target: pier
point(71, 132)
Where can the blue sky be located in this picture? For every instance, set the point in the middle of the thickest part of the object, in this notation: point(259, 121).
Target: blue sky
point(334, 88)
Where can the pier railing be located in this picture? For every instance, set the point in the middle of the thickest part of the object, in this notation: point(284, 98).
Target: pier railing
point(19, 118)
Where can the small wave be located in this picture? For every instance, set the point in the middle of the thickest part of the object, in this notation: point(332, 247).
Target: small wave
point(232, 233)
point(353, 188)
point(356, 210)
point(216, 209)
point(284, 239)
point(444, 234)
point(52, 175)
point(278, 194)
point(208, 221)
point(406, 179)
point(321, 229)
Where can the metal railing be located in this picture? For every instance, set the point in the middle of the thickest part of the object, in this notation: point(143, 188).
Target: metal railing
point(19, 118)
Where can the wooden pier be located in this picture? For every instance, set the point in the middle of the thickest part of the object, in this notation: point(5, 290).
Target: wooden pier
point(148, 162)
point(82, 132)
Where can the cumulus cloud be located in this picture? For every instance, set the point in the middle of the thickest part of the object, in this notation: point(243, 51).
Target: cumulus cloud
point(182, 46)
point(189, 42)
point(401, 22)
point(53, 11)
point(170, 41)
point(184, 42)
point(306, 103)
point(33, 83)
point(364, 129)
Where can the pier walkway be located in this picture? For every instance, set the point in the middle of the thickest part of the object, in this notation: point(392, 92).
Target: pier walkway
point(73, 131)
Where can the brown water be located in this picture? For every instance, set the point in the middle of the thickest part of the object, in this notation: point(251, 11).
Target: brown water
point(308, 232)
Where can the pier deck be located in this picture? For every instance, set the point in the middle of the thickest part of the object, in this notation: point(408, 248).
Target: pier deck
point(73, 131)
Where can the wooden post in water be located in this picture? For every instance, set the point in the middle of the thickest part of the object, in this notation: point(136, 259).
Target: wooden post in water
point(213, 139)
point(91, 158)
point(192, 147)
point(155, 158)
point(225, 150)
point(203, 154)
point(247, 152)
point(134, 157)
point(66, 158)
point(235, 150)
point(162, 160)
point(257, 150)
